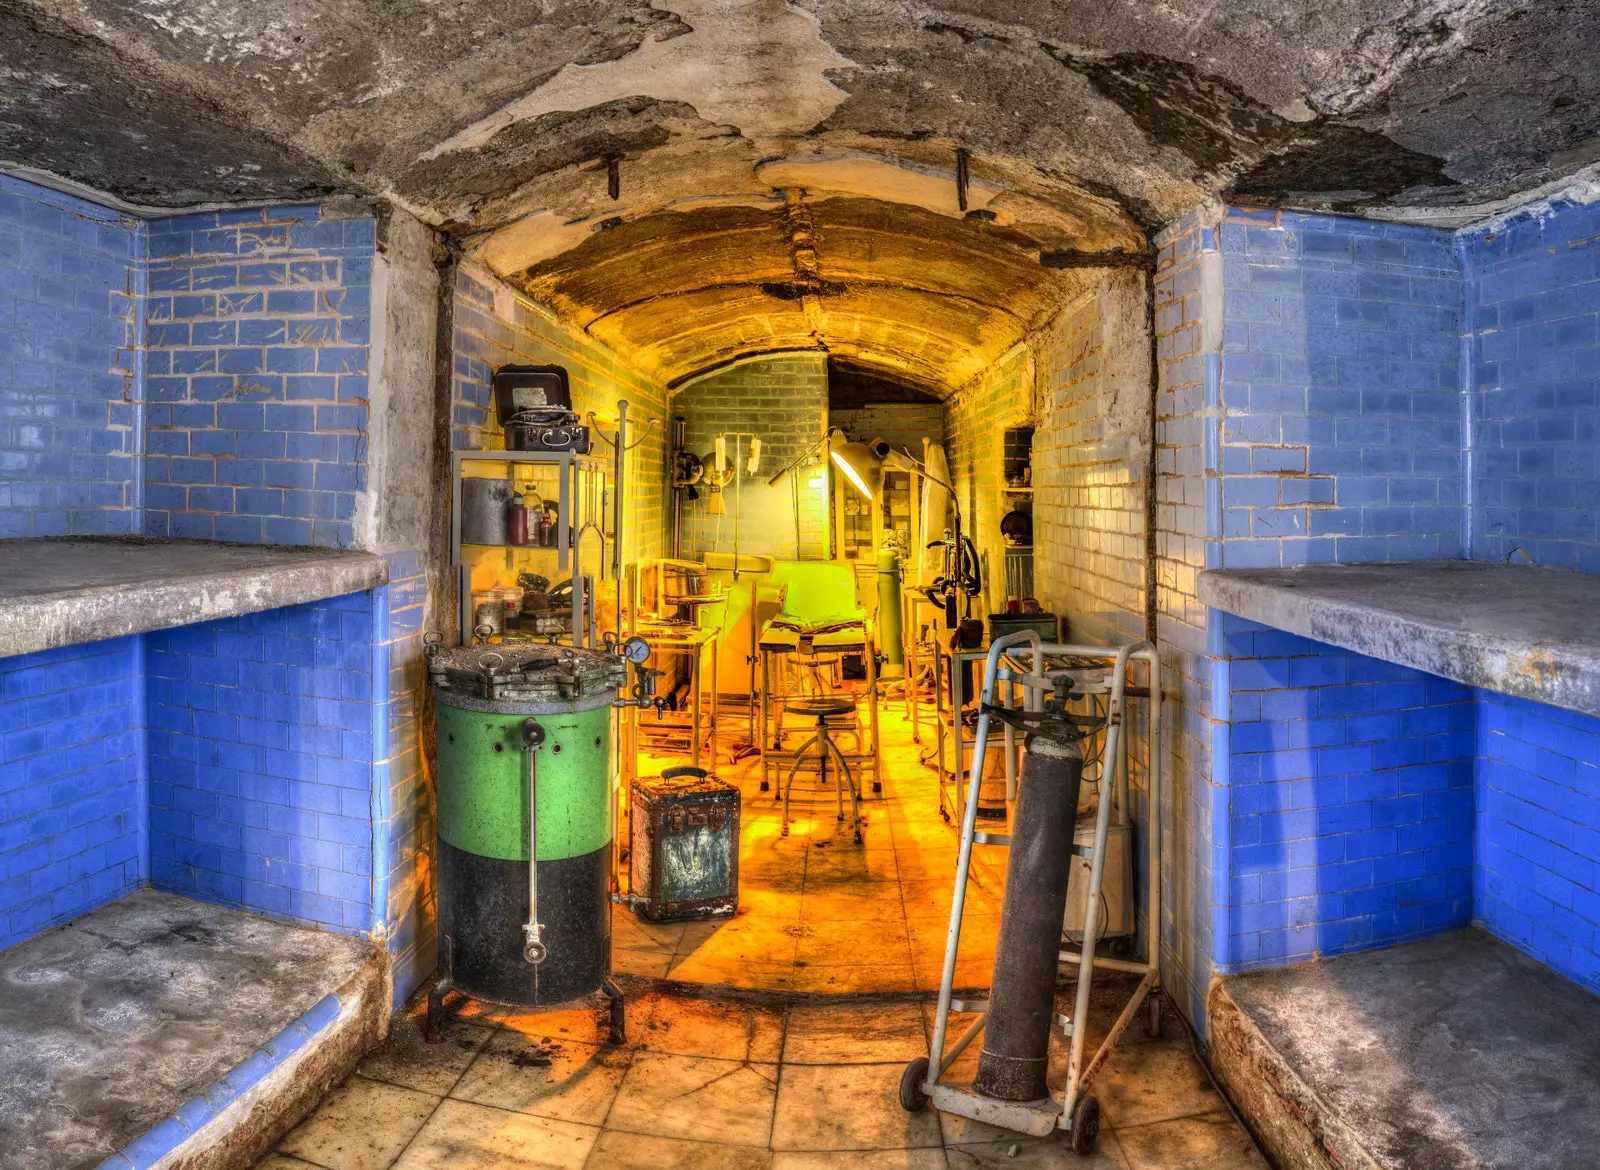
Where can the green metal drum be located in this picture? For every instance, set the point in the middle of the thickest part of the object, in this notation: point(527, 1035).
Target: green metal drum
point(513, 717)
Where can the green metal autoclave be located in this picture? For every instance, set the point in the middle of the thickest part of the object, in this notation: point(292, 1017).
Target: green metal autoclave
point(526, 819)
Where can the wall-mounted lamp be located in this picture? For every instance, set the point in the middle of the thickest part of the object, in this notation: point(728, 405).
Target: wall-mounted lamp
point(859, 467)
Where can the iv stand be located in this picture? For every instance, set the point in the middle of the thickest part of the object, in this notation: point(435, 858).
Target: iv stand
point(748, 748)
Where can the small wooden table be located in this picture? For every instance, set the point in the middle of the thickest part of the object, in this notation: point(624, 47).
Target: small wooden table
point(692, 642)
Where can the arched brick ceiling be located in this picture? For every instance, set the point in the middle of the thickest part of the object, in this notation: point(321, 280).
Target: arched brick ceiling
point(1087, 122)
point(933, 297)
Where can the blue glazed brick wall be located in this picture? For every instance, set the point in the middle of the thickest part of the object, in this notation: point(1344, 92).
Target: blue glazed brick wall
point(1351, 796)
point(67, 438)
point(260, 748)
point(71, 747)
point(1341, 436)
point(258, 325)
point(1537, 882)
point(1533, 293)
point(407, 818)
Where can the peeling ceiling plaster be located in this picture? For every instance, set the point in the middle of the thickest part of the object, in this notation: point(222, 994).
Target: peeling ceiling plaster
point(759, 66)
point(788, 168)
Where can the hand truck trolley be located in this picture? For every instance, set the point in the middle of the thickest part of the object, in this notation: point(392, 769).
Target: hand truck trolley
point(1077, 1112)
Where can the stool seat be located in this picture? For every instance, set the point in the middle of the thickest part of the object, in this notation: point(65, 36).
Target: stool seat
point(822, 706)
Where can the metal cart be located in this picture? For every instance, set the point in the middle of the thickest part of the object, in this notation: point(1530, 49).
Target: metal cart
point(1077, 1112)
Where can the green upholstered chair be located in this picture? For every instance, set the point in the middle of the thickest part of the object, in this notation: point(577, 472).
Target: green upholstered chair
point(817, 609)
point(817, 596)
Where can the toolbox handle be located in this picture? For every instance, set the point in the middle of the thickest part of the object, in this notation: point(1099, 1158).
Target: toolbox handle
point(685, 770)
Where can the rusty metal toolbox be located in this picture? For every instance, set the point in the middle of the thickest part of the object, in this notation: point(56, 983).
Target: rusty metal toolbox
point(685, 846)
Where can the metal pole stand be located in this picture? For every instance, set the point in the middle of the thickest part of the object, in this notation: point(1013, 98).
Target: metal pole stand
point(619, 1022)
point(433, 1030)
point(1077, 1113)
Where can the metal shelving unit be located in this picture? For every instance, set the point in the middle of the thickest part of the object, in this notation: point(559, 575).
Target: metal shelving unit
point(580, 487)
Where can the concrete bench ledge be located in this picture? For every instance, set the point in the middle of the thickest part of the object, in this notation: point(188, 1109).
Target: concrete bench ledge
point(61, 591)
point(1515, 629)
point(1455, 1051)
point(158, 1031)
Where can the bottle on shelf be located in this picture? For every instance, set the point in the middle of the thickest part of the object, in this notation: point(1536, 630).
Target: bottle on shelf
point(516, 521)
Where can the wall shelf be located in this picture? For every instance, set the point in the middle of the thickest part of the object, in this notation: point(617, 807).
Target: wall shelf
point(65, 591)
point(1516, 629)
point(575, 478)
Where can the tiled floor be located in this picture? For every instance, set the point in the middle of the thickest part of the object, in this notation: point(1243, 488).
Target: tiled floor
point(763, 1070)
point(716, 1082)
point(818, 913)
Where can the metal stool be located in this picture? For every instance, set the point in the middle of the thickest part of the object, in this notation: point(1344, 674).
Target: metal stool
point(820, 709)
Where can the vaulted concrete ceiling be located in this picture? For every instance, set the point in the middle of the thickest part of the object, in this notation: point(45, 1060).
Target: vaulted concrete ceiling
point(786, 170)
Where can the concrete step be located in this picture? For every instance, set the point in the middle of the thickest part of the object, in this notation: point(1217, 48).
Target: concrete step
point(157, 1030)
point(1451, 1053)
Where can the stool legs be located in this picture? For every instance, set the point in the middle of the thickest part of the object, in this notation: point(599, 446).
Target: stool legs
point(788, 784)
point(825, 745)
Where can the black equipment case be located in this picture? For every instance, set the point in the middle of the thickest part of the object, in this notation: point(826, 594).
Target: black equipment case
point(685, 846)
point(534, 405)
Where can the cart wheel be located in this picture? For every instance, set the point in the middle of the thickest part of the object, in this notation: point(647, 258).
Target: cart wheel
point(877, 786)
point(1085, 1125)
point(766, 786)
point(1152, 1014)
point(912, 1098)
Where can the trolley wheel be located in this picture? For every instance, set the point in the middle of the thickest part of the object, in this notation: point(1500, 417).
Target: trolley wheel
point(766, 786)
point(1085, 1125)
point(1152, 1014)
point(912, 1098)
point(877, 786)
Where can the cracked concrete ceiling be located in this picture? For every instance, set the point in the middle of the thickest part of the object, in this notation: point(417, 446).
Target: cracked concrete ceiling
point(786, 170)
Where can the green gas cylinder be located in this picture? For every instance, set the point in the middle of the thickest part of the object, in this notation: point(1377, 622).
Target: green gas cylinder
point(524, 746)
point(889, 639)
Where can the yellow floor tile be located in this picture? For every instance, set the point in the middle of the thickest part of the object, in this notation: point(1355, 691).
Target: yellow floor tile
point(361, 1125)
point(464, 1136)
point(1212, 1141)
point(698, 1099)
point(854, 1107)
point(705, 1027)
point(562, 1079)
point(635, 1151)
point(825, 1033)
point(407, 1059)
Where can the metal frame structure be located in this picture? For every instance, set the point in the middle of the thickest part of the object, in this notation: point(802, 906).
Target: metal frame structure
point(569, 537)
point(690, 642)
point(868, 756)
point(1077, 1112)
